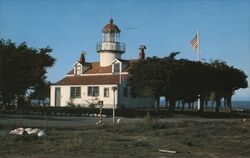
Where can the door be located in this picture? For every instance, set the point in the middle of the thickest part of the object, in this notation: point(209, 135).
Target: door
point(57, 96)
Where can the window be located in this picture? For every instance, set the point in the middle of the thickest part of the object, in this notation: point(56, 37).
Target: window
point(78, 69)
point(116, 67)
point(125, 92)
point(93, 91)
point(112, 38)
point(96, 91)
point(107, 37)
point(106, 92)
point(75, 92)
point(90, 91)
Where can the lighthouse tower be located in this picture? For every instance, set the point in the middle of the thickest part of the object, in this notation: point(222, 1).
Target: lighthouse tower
point(110, 48)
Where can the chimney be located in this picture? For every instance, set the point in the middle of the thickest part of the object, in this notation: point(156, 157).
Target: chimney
point(82, 56)
point(142, 53)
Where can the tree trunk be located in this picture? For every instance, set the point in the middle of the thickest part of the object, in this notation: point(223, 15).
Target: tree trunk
point(189, 105)
point(218, 104)
point(179, 103)
point(212, 104)
point(225, 103)
point(183, 106)
point(157, 103)
point(171, 106)
point(166, 102)
point(229, 102)
point(206, 103)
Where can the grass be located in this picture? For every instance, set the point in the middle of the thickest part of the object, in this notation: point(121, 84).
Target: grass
point(138, 139)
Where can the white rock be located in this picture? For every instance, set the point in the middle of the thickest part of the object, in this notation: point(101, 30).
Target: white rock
point(17, 131)
point(41, 133)
point(33, 131)
point(12, 131)
point(20, 129)
point(167, 151)
point(28, 129)
point(20, 132)
point(118, 121)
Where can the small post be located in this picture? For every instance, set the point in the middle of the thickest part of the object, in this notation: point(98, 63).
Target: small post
point(100, 112)
point(114, 88)
point(198, 102)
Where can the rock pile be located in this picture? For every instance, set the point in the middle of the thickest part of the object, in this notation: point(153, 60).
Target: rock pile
point(28, 131)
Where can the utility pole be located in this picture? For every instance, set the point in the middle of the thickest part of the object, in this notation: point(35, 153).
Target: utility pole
point(114, 88)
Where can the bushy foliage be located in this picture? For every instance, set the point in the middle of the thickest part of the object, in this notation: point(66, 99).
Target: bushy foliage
point(184, 80)
point(22, 69)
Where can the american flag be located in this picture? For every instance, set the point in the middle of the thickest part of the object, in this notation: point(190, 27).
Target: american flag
point(194, 43)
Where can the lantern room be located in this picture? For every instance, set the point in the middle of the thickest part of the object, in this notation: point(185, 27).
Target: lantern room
point(110, 48)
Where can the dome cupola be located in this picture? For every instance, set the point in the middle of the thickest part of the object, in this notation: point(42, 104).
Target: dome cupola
point(111, 28)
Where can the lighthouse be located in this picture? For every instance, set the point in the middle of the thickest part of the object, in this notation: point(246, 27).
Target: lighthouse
point(102, 80)
point(110, 48)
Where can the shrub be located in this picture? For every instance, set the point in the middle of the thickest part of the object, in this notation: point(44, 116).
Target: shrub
point(149, 122)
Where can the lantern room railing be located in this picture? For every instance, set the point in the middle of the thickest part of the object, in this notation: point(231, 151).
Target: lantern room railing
point(110, 46)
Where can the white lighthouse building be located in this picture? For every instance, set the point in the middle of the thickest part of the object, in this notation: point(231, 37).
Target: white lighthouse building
point(89, 82)
point(110, 48)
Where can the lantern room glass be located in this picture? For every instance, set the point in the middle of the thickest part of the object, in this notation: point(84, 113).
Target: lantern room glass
point(110, 37)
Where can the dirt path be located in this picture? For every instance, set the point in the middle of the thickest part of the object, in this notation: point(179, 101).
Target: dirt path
point(70, 121)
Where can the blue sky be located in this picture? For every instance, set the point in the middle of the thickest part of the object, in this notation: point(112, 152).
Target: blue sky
point(70, 26)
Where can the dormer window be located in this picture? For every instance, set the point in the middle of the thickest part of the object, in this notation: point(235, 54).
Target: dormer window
point(116, 67)
point(78, 70)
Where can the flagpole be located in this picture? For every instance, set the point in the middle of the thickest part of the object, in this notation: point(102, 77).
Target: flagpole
point(195, 44)
point(198, 59)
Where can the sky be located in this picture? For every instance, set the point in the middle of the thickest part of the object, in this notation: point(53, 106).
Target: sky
point(164, 26)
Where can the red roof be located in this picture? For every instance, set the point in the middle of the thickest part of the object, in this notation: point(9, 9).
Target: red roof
point(92, 80)
point(96, 68)
point(110, 27)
